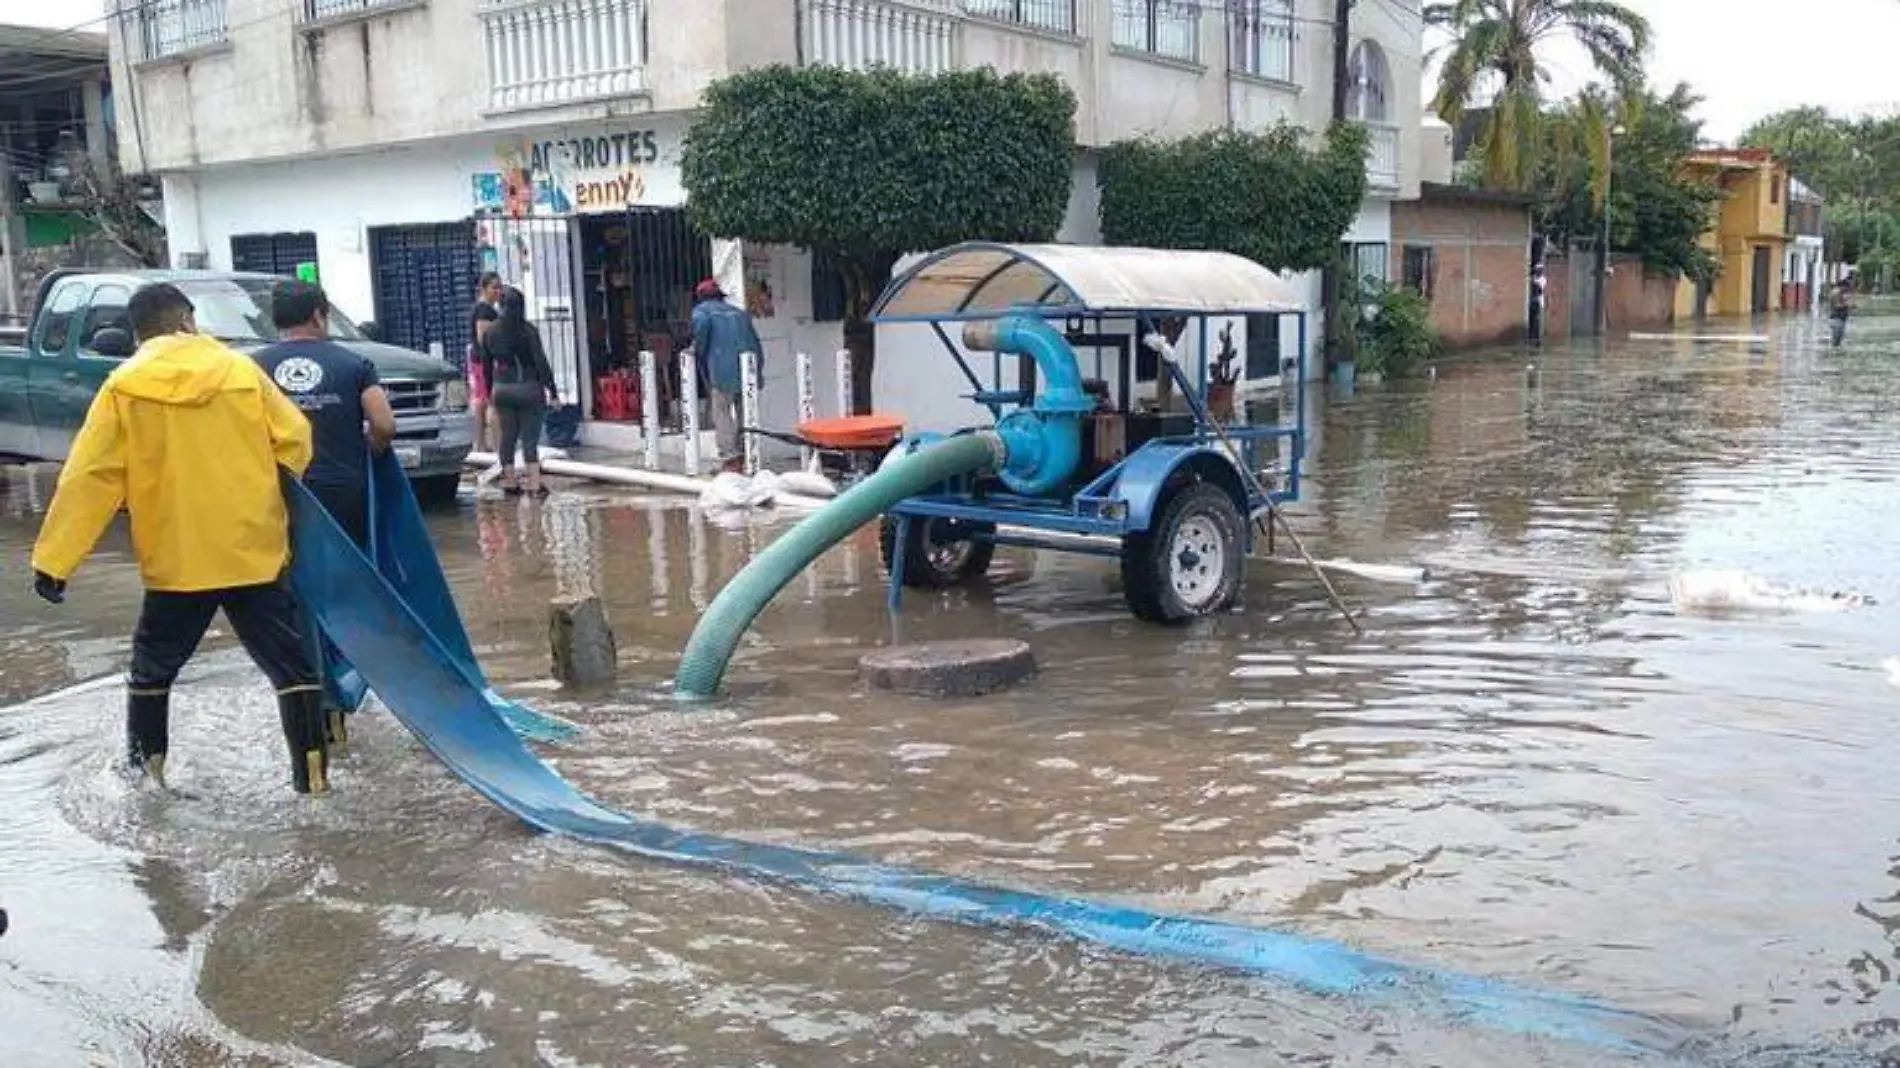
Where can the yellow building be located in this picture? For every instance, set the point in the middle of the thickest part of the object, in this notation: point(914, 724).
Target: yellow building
point(1750, 237)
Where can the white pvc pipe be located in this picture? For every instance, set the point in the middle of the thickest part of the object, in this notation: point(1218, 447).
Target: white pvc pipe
point(749, 409)
point(689, 409)
point(650, 408)
point(807, 409)
point(633, 476)
point(845, 405)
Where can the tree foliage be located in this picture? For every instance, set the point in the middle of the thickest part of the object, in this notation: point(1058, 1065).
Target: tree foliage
point(1495, 51)
point(1263, 196)
point(1655, 211)
point(1855, 165)
point(864, 167)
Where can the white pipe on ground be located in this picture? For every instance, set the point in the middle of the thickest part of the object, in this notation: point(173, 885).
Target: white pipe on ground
point(633, 476)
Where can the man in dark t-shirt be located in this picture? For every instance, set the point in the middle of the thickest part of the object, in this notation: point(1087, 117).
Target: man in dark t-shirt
point(338, 392)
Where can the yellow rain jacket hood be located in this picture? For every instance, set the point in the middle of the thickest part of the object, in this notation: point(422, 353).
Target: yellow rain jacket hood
point(187, 436)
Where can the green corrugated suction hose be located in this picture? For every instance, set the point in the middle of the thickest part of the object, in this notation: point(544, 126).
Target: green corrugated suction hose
point(726, 619)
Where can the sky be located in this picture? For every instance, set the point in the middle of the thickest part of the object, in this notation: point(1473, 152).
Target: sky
point(1749, 58)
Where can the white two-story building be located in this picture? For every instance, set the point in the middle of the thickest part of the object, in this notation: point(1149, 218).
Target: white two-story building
point(405, 146)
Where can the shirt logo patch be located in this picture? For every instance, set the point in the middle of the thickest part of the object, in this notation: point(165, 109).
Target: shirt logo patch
point(298, 375)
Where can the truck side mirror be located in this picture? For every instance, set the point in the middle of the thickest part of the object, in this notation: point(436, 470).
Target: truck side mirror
point(370, 331)
point(112, 342)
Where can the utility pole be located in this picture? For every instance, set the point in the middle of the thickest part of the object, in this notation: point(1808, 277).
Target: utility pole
point(1331, 287)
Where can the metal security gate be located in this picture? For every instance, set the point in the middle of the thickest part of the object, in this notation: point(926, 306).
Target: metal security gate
point(424, 280)
point(272, 253)
point(539, 256)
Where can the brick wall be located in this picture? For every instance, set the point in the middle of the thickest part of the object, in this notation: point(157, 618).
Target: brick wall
point(1480, 278)
point(1639, 299)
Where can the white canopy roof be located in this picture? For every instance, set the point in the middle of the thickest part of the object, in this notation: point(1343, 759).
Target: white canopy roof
point(982, 280)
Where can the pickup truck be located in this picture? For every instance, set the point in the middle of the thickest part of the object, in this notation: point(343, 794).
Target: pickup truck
point(79, 333)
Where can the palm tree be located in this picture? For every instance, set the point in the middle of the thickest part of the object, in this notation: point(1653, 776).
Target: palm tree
point(1494, 48)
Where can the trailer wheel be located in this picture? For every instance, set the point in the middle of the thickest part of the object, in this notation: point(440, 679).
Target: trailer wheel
point(1189, 563)
point(941, 552)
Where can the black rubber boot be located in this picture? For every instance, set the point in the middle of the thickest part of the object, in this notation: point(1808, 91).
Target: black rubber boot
point(148, 732)
point(305, 734)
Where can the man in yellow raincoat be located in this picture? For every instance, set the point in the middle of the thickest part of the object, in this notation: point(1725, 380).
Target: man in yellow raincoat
point(191, 438)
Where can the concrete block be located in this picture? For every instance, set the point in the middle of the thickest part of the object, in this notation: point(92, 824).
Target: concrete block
point(968, 668)
point(581, 642)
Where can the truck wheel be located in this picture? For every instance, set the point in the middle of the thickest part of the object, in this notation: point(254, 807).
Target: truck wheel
point(437, 491)
point(941, 552)
point(1189, 563)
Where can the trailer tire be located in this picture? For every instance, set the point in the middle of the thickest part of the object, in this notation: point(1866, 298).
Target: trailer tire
point(1189, 563)
point(941, 552)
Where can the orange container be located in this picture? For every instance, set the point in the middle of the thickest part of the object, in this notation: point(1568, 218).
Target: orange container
point(853, 432)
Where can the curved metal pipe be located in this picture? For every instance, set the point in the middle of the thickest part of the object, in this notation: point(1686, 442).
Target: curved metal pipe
point(1044, 442)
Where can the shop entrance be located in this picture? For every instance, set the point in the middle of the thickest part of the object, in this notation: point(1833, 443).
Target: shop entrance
point(639, 268)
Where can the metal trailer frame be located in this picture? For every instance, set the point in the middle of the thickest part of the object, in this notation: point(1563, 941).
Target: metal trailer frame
point(1124, 499)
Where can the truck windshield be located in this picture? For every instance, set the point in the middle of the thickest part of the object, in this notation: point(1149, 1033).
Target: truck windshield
point(238, 310)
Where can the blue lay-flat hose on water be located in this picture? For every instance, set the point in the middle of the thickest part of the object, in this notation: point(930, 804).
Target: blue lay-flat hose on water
point(401, 551)
point(709, 650)
point(442, 703)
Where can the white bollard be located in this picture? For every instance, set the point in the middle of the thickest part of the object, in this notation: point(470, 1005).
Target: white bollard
point(845, 406)
point(689, 409)
point(650, 408)
point(749, 410)
point(807, 410)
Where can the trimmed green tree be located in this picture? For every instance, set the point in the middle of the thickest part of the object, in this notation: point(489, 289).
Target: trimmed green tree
point(1265, 196)
point(862, 168)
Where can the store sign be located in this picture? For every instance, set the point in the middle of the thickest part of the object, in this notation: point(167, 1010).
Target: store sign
point(601, 171)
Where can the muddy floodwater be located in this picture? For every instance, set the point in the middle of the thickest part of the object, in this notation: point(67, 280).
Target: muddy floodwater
point(1635, 736)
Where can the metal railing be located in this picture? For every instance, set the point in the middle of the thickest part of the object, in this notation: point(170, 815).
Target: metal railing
point(1057, 16)
point(319, 10)
point(917, 37)
point(544, 52)
point(1262, 38)
point(1382, 158)
point(1167, 28)
point(171, 27)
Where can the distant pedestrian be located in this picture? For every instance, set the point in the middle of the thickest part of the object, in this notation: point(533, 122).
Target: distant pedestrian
point(349, 414)
point(480, 317)
point(520, 385)
point(1839, 308)
point(722, 333)
point(193, 440)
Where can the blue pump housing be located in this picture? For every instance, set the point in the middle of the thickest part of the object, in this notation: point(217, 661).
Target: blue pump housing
point(1044, 441)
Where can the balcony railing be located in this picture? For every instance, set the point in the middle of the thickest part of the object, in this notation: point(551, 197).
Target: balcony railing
point(1382, 158)
point(1167, 28)
point(320, 10)
point(1263, 38)
point(543, 53)
point(916, 37)
point(172, 27)
point(1056, 16)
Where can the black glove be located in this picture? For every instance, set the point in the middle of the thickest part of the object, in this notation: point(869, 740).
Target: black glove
point(52, 590)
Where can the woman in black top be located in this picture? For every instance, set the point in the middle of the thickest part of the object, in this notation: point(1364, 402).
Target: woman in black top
point(520, 385)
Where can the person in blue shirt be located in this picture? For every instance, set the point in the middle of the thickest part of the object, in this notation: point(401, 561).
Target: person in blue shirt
point(721, 333)
point(349, 414)
point(338, 391)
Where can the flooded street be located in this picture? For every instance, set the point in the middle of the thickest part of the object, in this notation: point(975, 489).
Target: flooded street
point(1540, 764)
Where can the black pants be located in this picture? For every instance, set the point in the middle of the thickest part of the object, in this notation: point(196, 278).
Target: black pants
point(267, 621)
point(520, 406)
point(349, 506)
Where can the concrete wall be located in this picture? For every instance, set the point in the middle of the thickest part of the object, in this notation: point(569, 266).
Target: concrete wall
point(1481, 266)
point(1638, 299)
